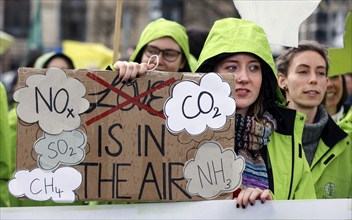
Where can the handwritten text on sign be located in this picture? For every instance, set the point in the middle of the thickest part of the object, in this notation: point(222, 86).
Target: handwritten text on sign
point(117, 137)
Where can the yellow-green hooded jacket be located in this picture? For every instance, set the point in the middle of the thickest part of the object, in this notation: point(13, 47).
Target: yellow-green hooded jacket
point(164, 28)
point(5, 150)
point(346, 121)
point(332, 163)
point(288, 171)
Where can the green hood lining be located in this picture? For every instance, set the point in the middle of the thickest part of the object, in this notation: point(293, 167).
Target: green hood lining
point(231, 35)
point(44, 60)
point(163, 28)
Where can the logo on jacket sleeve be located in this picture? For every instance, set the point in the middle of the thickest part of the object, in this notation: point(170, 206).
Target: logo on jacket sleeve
point(330, 189)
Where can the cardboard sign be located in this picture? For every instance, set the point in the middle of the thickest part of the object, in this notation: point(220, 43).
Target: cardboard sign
point(85, 135)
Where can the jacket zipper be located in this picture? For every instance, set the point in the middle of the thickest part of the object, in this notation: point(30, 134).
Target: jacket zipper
point(293, 165)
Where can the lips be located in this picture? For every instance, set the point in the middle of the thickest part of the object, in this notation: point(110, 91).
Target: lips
point(242, 92)
point(330, 94)
point(311, 92)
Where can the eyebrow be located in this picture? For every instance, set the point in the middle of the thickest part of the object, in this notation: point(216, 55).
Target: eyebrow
point(305, 65)
point(163, 49)
point(236, 61)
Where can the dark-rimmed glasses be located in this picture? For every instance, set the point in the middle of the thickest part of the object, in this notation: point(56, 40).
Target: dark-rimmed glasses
point(168, 54)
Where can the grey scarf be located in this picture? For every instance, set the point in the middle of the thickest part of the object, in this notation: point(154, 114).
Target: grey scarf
point(312, 133)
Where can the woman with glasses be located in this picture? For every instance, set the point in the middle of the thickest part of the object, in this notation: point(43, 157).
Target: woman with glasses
point(161, 37)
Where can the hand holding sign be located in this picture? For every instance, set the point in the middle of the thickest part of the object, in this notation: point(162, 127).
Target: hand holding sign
point(52, 99)
point(195, 107)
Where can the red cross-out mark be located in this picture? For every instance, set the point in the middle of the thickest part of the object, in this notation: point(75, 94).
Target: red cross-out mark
point(129, 99)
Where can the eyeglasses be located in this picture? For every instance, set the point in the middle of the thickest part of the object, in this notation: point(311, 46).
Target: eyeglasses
point(168, 54)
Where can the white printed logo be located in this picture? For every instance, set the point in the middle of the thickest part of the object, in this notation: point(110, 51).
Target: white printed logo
point(330, 189)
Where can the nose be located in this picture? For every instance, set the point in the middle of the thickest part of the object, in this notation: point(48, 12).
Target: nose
point(312, 78)
point(329, 84)
point(242, 76)
point(161, 58)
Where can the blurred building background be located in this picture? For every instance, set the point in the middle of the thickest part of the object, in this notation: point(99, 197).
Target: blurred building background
point(42, 25)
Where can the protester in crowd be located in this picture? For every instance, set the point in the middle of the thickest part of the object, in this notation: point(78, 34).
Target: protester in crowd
point(9, 81)
point(267, 136)
point(5, 158)
point(336, 95)
point(54, 59)
point(161, 37)
point(302, 74)
point(335, 103)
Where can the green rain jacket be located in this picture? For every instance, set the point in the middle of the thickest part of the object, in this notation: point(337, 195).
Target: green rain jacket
point(346, 122)
point(164, 28)
point(5, 150)
point(288, 171)
point(332, 162)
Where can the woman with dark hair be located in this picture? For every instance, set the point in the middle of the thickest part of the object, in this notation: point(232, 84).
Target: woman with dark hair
point(335, 102)
point(267, 135)
point(54, 59)
point(302, 74)
point(336, 95)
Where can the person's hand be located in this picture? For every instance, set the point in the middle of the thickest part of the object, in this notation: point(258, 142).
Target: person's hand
point(250, 195)
point(130, 70)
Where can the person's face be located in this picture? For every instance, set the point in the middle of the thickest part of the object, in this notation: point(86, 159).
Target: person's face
point(59, 63)
point(333, 91)
point(248, 78)
point(305, 83)
point(174, 60)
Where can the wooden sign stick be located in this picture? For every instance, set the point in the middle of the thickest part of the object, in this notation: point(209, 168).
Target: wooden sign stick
point(118, 19)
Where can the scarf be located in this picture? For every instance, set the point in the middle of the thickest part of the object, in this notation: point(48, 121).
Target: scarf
point(250, 137)
point(312, 134)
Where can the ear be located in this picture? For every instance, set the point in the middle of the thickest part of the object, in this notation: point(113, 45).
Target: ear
point(183, 63)
point(281, 79)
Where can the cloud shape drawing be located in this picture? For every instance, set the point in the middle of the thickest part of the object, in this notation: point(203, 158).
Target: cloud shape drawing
point(213, 171)
point(40, 185)
point(64, 148)
point(53, 99)
point(194, 107)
